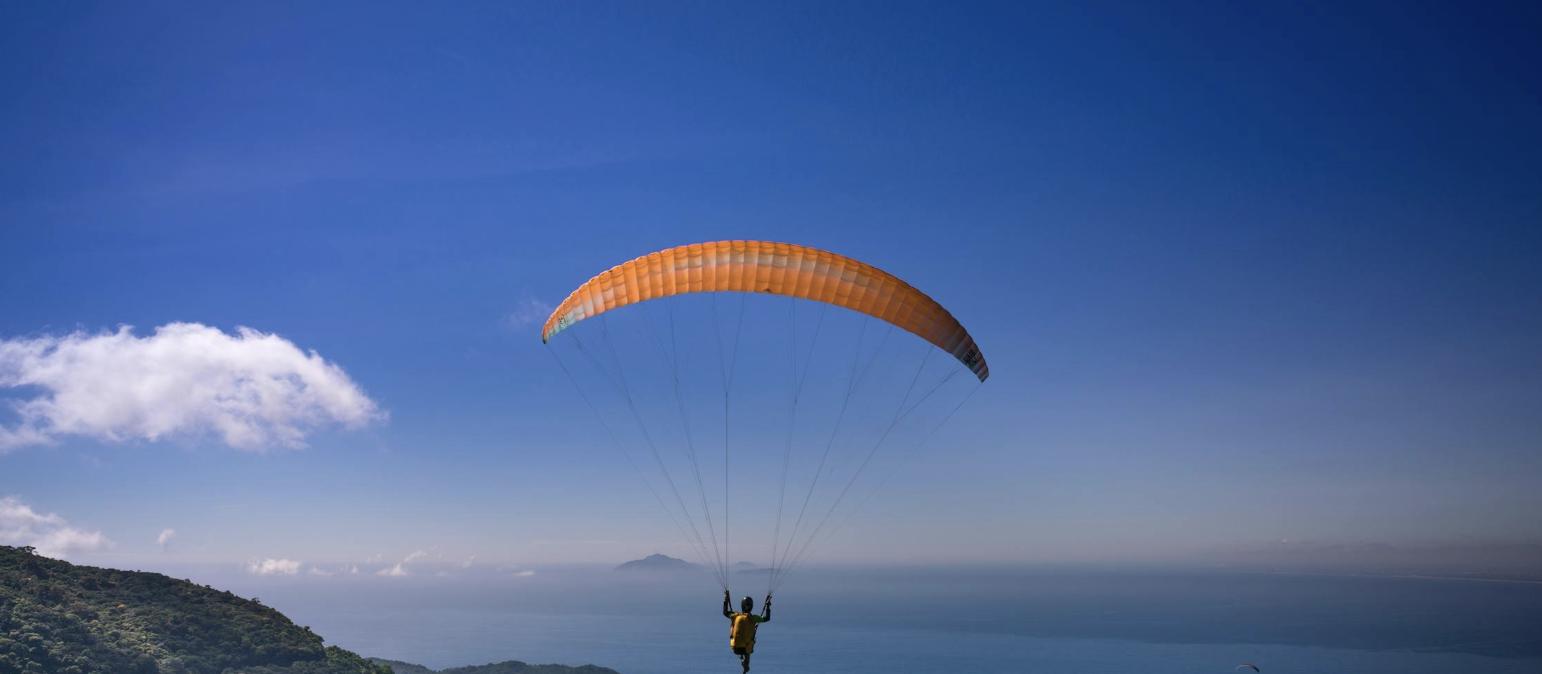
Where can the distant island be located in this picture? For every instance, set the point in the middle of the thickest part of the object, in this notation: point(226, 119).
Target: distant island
point(657, 562)
point(59, 617)
point(664, 563)
point(751, 568)
point(508, 667)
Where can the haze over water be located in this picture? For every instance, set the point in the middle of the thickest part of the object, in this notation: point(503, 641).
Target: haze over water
point(937, 620)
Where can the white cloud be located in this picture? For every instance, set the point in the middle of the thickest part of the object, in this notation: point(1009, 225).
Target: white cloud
point(165, 537)
point(399, 569)
point(20, 436)
point(524, 574)
point(469, 561)
point(273, 567)
point(336, 570)
point(50, 534)
point(251, 389)
point(529, 311)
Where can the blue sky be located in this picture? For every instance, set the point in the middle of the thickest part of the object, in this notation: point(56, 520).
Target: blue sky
point(1244, 274)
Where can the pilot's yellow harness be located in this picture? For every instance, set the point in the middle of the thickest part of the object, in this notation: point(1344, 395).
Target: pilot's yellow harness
point(741, 633)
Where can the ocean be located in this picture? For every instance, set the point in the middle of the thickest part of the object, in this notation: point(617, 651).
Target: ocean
point(952, 620)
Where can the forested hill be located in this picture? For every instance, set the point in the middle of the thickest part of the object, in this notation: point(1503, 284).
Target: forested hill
point(58, 617)
point(509, 667)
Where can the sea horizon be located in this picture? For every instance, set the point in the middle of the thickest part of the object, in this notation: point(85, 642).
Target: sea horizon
point(938, 618)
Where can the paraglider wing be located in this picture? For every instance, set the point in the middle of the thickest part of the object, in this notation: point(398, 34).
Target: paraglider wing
point(775, 268)
point(1247, 666)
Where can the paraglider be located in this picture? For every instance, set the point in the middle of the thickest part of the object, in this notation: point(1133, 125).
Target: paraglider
point(742, 626)
point(761, 268)
point(1247, 666)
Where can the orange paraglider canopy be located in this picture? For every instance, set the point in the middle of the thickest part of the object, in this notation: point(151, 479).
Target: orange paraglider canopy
point(775, 268)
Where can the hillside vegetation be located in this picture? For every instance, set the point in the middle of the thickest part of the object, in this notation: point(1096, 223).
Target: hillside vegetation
point(58, 617)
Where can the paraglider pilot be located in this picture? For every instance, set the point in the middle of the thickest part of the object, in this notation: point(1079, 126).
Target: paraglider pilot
point(741, 632)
